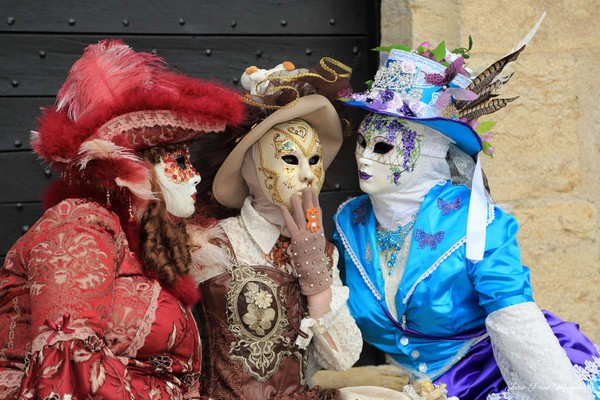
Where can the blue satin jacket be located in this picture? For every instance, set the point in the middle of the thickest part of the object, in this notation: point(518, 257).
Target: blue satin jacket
point(443, 298)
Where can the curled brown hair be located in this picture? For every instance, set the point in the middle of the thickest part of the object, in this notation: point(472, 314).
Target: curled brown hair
point(164, 247)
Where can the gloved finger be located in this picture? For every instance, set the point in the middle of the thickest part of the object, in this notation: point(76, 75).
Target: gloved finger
point(307, 198)
point(297, 210)
point(316, 204)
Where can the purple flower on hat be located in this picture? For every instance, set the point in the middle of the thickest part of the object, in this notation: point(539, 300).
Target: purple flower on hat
point(434, 79)
point(406, 110)
point(387, 95)
point(378, 105)
point(345, 93)
point(489, 150)
point(449, 74)
point(486, 137)
point(359, 97)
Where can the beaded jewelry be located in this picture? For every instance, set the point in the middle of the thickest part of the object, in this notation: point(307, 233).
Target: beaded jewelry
point(392, 241)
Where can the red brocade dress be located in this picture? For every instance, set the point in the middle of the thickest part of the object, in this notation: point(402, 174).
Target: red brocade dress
point(79, 319)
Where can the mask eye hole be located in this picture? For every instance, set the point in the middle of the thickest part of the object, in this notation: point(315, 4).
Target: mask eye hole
point(360, 139)
point(292, 160)
point(314, 160)
point(382, 148)
point(180, 160)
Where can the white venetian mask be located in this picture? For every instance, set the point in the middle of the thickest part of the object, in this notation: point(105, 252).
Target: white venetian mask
point(386, 152)
point(288, 158)
point(177, 179)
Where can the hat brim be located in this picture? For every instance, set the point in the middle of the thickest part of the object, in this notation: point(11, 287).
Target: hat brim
point(458, 131)
point(142, 129)
point(229, 187)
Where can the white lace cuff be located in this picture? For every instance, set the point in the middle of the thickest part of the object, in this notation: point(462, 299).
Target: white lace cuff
point(338, 327)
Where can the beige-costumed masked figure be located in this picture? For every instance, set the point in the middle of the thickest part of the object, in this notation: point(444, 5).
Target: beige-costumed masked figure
point(274, 309)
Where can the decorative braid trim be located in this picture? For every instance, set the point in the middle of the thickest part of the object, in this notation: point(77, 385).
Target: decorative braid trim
point(81, 333)
point(145, 324)
point(443, 257)
point(354, 258)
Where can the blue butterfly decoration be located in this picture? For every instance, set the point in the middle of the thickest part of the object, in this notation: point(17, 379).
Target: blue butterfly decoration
point(447, 207)
point(426, 239)
point(359, 214)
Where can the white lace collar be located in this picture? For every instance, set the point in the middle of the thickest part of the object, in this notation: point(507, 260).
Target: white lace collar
point(264, 233)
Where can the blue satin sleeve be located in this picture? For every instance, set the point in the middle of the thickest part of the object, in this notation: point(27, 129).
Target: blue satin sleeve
point(500, 279)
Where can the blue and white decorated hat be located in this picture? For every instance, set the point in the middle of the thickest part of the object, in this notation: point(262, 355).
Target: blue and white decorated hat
point(413, 87)
point(431, 87)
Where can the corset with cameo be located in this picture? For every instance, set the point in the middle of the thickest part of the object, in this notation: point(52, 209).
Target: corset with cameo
point(250, 319)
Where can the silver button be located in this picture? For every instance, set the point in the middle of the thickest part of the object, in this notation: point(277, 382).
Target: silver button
point(415, 354)
point(404, 341)
point(423, 367)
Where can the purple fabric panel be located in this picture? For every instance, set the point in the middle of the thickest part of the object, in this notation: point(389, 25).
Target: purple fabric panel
point(477, 374)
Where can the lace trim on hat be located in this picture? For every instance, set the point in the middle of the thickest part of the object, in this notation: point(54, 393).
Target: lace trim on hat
point(134, 128)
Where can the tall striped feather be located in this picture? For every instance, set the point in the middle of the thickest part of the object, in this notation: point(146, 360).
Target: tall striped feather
point(488, 107)
point(488, 75)
point(485, 94)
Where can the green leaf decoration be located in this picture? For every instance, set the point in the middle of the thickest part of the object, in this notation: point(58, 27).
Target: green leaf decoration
point(387, 49)
point(440, 51)
point(485, 126)
point(369, 83)
point(422, 49)
point(486, 146)
point(464, 51)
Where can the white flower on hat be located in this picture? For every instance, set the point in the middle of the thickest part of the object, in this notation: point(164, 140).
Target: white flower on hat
point(451, 57)
point(408, 66)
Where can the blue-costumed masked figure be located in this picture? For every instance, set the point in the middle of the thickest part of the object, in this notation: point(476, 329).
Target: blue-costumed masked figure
point(433, 266)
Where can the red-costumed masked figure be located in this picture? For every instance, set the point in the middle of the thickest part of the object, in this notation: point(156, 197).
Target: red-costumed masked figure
point(95, 298)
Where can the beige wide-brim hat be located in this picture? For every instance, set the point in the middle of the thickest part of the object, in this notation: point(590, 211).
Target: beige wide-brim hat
point(229, 187)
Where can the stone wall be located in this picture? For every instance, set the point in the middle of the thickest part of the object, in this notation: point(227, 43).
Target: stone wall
point(546, 167)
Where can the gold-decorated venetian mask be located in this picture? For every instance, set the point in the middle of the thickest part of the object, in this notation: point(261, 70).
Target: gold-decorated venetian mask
point(288, 158)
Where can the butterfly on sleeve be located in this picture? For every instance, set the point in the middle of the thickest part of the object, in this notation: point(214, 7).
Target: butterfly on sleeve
point(426, 239)
point(449, 206)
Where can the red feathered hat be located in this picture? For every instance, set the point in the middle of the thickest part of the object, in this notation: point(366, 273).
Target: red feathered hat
point(117, 101)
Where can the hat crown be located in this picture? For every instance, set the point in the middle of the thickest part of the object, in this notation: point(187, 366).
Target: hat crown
point(405, 73)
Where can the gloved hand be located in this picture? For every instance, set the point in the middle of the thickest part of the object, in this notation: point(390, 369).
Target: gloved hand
point(307, 247)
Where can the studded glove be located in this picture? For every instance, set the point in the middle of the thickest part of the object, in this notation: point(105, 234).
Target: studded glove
point(307, 247)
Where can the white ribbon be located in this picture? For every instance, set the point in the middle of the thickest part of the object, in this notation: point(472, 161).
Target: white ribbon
point(476, 222)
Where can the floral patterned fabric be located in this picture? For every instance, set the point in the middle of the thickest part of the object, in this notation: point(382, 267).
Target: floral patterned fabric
point(79, 319)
